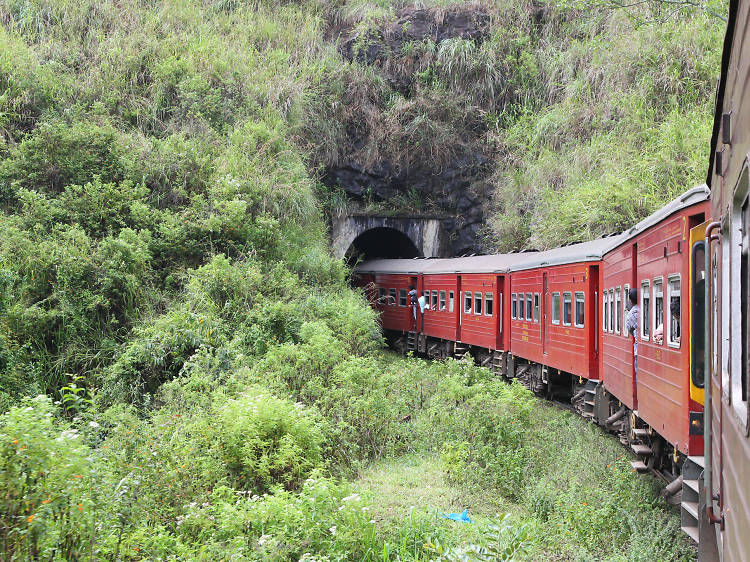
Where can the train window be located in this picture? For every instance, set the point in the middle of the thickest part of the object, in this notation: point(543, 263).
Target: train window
point(673, 316)
point(381, 296)
point(567, 309)
point(580, 310)
point(392, 297)
point(434, 304)
point(658, 323)
point(698, 314)
point(611, 311)
point(513, 306)
point(625, 307)
point(441, 302)
point(402, 297)
point(740, 376)
point(488, 304)
point(529, 307)
point(618, 309)
point(450, 301)
point(536, 307)
point(605, 311)
point(521, 306)
point(477, 303)
point(645, 318)
point(500, 312)
point(467, 302)
point(555, 308)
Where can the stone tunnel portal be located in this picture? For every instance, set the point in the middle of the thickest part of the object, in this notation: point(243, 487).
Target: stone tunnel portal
point(381, 242)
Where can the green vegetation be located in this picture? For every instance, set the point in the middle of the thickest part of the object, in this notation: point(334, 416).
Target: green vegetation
point(244, 462)
point(184, 373)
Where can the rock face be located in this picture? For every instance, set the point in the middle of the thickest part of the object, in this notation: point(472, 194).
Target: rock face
point(456, 190)
point(415, 24)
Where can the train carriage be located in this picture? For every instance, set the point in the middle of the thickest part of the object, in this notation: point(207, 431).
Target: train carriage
point(723, 507)
point(654, 258)
point(387, 282)
point(478, 283)
point(553, 315)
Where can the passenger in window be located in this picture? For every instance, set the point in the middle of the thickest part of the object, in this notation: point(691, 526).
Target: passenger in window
point(631, 325)
point(674, 308)
point(413, 303)
point(659, 334)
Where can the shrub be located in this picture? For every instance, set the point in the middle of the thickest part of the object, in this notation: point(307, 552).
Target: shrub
point(47, 508)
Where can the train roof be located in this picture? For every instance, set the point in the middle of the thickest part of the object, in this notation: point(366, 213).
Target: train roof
point(691, 197)
point(593, 250)
point(492, 263)
point(395, 266)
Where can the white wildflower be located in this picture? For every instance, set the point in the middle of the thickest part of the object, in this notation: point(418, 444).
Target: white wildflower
point(333, 530)
point(263, 539)
point(352, 497)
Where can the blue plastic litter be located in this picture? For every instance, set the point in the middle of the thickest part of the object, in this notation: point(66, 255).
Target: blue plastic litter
point(463, 517)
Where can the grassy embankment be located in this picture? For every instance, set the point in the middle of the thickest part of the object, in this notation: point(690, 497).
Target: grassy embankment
point(164, 279)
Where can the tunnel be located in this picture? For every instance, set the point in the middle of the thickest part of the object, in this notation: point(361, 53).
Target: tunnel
point(381, 242)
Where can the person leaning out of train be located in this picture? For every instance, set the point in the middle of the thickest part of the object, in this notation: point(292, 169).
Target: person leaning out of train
point(413, 304)
point(423, 304)
point(631, 324)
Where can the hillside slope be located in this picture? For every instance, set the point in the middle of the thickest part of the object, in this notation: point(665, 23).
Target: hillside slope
point(203, 376)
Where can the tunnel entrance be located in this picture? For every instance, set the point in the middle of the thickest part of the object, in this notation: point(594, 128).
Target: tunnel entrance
point(381, 242)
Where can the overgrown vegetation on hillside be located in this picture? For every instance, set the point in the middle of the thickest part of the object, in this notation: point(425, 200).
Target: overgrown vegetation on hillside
point(203, 376)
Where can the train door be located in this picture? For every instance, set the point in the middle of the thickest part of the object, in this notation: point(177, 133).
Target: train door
point(545, 307)
point(459, 304)
point(500, 318)
point(697, 296)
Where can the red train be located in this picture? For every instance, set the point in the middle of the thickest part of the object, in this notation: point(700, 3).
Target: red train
point(556, 320)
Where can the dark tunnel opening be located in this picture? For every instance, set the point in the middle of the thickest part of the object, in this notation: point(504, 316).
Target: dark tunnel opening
point(381, 242)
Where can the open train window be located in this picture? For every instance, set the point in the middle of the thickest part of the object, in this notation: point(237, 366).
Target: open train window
point(674, 326)
point(441, 301)
point(477, 303)
point(521, 306)
point(698, 314)
point(529, 307)
point(580, 310)
point(381, 296)
point(392, 297)
point(567, 309)
point(434, 304)
point(611, 311)
point(488, 308)
point(467, 302)
point(658, 319)
point(513, 306)
point(741, 310)
point(625, 307)
point(536, 307)
point(555, 308)
point(450, 301)
point(645, 318)
point(402, 297)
